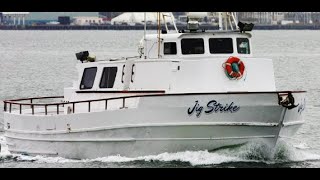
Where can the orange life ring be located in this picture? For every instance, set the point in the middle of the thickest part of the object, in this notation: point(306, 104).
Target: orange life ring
point(234, 67)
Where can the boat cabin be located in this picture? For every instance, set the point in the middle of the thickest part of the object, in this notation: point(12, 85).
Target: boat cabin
point(178, 63)
point(186, 45)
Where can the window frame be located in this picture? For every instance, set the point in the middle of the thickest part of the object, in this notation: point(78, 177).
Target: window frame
point(203, 43)
point(82, 78)
point(249, 47)
point(232, 45)
point(114, 80)
point(176, 50)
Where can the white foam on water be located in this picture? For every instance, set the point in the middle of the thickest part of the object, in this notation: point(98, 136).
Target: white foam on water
point(296, 152)
point(43, 159)
point(195, 157)
point(4, 153)
point(251, 152)
point(192, 157)
point(302, 146)
point(117, 158)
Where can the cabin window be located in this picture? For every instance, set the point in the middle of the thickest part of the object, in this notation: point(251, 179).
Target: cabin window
point(108, 77)
point(169, 48)
point(220, 45)
point(243, 46)
point(192, 46)
point(89, 74)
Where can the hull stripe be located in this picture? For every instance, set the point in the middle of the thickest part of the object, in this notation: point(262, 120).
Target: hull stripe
point(138, 139)
point(144, 125)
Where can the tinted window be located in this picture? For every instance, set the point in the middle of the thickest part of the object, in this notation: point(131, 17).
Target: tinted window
point(243, 46)
point(88, 77)
point(192, 46)
point(108, 77)
point(220, 45)
point(170, 48)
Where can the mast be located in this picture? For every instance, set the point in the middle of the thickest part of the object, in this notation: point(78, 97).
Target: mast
point(220, 21)
point(228, 19)
point(173, 22)
point(144, 37)
point(159, 26)
point(164, 21)
point(164, 15)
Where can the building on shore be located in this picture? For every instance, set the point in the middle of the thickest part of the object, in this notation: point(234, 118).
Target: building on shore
point(85, 21)
point(53, 16)
point(42, 18)
point(262, 18)
point(136, 18)
point(13, 18)
point(273, 18)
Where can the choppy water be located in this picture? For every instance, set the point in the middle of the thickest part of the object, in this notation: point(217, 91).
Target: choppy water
point(41, 63)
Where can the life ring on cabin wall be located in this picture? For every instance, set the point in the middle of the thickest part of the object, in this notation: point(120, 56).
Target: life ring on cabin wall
point(234, 68)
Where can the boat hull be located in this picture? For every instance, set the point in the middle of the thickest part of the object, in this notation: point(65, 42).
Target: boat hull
point(157, 124)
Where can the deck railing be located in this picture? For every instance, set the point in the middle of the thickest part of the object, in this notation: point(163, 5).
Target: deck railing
point(8, 104)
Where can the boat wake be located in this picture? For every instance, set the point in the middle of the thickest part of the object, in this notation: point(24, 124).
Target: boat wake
point(254, 152)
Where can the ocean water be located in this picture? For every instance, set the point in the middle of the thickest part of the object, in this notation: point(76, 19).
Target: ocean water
point(42, 63)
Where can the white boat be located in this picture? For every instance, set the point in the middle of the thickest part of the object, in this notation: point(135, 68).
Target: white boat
point(190, 90)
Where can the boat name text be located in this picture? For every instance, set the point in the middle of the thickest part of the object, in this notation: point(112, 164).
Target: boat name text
point(213, 106)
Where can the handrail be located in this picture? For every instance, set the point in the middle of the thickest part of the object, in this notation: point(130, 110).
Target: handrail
point(11, 102)
point(45, 97)
point(75, 102)
point(14, 102)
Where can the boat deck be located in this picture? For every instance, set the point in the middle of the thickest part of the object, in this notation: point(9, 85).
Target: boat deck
point(20, 106)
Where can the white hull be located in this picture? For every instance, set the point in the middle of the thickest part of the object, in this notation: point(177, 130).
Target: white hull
point(154, 125)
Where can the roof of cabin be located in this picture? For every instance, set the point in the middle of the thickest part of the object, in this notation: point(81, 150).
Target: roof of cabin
point(199, 34)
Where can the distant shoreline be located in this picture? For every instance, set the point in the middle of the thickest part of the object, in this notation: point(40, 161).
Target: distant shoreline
point(149, 27)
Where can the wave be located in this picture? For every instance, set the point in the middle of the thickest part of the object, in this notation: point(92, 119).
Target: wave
point(250, 152)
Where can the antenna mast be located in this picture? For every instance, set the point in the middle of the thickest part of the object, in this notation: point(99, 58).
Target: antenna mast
point(145, 32)
point(159, 26)
point(228, 19)
point(164, 15)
